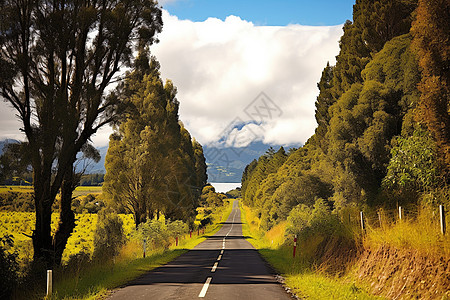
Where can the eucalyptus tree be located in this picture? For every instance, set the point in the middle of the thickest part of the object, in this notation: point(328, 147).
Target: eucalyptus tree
point(57, 60)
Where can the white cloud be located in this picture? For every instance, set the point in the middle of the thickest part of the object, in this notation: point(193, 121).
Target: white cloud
point(220, 67)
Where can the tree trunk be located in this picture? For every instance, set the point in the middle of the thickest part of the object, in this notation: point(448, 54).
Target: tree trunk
point(42, 239)
point(66, 217)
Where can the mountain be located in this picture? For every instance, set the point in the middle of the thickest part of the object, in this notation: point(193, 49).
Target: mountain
point(226, 164)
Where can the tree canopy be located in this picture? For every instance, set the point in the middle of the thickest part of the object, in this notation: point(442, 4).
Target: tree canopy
point(57, 59)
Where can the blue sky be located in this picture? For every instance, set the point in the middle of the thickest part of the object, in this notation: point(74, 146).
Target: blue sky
point(279, 13)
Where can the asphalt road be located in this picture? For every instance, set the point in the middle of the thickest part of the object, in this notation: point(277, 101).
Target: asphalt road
point(225, 266)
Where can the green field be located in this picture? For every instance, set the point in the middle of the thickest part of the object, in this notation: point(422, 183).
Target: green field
point(79, 191)
point(20, 225)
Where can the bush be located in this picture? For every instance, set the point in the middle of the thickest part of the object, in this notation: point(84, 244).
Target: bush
point(8, 267)
point(108, 236)
point(159, 232)
point(306, 222)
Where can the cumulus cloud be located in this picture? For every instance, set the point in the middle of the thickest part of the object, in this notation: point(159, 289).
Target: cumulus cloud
point(221, 66)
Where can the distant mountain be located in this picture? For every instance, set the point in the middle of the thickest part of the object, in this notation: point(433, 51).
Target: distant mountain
point(226, 164)
point(100, 166)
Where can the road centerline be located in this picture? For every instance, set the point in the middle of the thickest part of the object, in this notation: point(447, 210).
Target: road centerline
point(205, 288)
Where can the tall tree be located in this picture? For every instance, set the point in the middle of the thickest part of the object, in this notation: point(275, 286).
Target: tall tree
point(137, 159)
point(431, 31)
point(57, 58)
point(151, 165)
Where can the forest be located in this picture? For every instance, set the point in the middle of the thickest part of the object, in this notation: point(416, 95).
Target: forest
point(380, 140)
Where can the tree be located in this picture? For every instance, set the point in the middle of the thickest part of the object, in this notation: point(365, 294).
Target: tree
point(431, 39)
point(57, 58)
point(137, 162)
point(151, 165)
point(14, 162)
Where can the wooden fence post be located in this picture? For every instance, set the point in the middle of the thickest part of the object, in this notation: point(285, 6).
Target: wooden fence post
point(363, 224)
point(442, 218)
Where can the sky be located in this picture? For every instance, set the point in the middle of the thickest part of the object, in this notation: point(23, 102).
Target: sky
point(246, 70)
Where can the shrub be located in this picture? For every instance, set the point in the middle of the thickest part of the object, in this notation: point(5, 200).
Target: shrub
point(319, 220)
point(8, 267)
point(159, 232)
point(108, 236)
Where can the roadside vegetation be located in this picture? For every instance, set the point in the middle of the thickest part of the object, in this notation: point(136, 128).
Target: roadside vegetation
point(379, 159)
point(106, 249)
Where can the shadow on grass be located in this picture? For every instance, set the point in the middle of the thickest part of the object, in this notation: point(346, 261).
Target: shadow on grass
point(98, 277)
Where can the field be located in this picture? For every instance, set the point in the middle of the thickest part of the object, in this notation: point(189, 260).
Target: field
point(20, 225)
point(79, 191)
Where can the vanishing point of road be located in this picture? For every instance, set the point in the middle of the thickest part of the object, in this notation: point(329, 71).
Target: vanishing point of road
point(225, 266)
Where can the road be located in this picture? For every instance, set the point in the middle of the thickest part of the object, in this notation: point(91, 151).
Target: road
point(225, 266)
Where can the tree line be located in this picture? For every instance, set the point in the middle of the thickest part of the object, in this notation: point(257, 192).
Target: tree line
point(382, 114)
point(59, 60)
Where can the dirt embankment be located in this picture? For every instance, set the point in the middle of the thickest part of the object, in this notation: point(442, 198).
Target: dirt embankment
point(404, 274)
point(389, 272)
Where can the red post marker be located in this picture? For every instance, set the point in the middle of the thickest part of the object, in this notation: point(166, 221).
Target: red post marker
point(295, 246)
point(190, 233)
point(176, 241)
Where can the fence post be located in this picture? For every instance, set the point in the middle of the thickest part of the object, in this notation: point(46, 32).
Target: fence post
point(363, 224)
point(442, 218)
point(295, 245)
point(190, 233)
point(49, 282)
point(176, 241)
point(400, 213)
point(379, 218)
point(145, 244)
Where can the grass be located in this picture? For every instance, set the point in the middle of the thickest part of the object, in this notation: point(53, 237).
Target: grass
point(96, 281)
point(99, 279)
point(299, 274)
point(422, 233)
point(79, 191)
point(21, 224)
point(16, 188)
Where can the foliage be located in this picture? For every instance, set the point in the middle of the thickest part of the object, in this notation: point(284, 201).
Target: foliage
point(413, 164)
point(306, 222)
point(349, 156)
point(153, 165)
point(109, 236)
point(8, 267)
point(14, 162)
point(431, 39)
point(57, 60)
point(160, 233)
point(92, 179)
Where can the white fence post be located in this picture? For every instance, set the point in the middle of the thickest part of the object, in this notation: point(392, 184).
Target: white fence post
point(363, 224)
point(400, 213)
point(49, 282)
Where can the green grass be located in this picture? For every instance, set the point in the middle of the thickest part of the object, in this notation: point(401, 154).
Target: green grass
point(98, 280)
point(79, 191)
point(299, 274)
point(16, 188)
point(317, 286)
